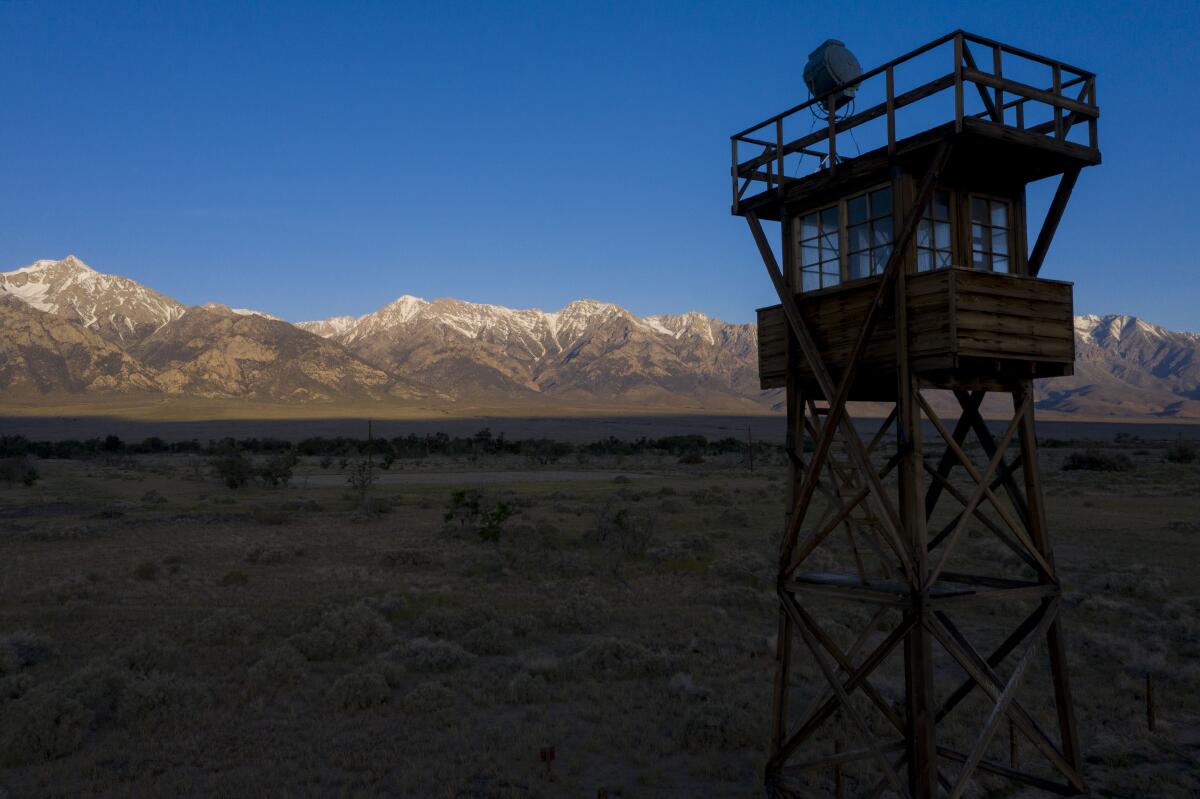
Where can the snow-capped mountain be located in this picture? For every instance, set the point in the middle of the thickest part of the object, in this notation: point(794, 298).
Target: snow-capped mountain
point(1127, 366)
point(69, 329)
point(119, 309)
point(588, 351)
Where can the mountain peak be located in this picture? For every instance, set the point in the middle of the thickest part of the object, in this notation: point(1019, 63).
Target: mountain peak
point(72, 262)
point(405, 307)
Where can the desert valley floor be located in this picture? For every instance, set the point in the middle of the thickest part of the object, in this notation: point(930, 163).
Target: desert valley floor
point(162, 634)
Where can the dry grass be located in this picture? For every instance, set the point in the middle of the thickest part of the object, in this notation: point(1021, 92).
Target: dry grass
point(198, 641)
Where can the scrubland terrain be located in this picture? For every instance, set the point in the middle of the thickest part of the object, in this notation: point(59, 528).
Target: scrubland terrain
point(162, 634)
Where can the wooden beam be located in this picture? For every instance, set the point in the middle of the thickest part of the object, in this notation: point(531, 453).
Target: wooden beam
point(992, 111)
point(1031, 92)
point(947, 461)
point(1005, 470)
point(1063, 700)
point(1054, 214)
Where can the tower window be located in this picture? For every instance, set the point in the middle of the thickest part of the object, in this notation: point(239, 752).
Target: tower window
point(989, 234)
point(819, 249)
point(933, 234)
point(868, 233)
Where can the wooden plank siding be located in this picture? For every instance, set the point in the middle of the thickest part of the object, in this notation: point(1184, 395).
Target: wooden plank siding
point(965, 328)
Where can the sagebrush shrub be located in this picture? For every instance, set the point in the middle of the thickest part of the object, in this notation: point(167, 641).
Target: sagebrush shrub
point(359, 690)
point(20, 650)
point(617, 658)
point(490, 638)
point(279, 668)
point(428, 697)
point(345, 632)
point(45, 724)
point(427, 655)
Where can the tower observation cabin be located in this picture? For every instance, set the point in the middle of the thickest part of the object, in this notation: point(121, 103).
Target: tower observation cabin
point(904, 265)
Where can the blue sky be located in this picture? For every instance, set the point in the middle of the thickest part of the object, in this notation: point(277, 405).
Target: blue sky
point(312, 159)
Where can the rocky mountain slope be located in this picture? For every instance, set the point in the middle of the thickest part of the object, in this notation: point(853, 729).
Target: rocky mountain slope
point(213, 351)
point(1125, 366)
point(70, 330)
point(43, 353)
point(119, 309)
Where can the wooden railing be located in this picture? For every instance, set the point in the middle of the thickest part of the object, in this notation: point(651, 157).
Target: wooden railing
point(1069, 101)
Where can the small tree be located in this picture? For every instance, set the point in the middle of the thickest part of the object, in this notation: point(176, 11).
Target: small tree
point(471, 509)
point(463, 508)
point(18, 469)
point(491, 521)
point(1181, 451)
point(627, 532)
point(232, 468)
point(277, 470)
point(360, 479)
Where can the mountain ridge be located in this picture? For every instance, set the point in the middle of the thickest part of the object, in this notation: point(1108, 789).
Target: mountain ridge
point(448, 352)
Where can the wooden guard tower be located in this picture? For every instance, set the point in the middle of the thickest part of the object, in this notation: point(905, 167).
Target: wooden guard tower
point(919, 646)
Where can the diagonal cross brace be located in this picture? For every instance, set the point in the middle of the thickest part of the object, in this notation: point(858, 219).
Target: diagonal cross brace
point(1000, 710)
point(844, 700)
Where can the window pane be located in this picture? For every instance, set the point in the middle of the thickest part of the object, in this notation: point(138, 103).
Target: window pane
point(941, 206)
point(979, 260)
point(1000, 240)
point(809, 256)
point(860, 266)
point(811, 281)
point(979, 210)
point(808, 226)
point(999, 264)
point(999, 213)
point(881, 203)
point(829, 244)
point(881, 232)
point(829, 218)
point(943, 235)
point(858, 238)
point(943, 260)
point(978, 240)
point(924, 260)
point(924, 233)
point(879, 259)
point(829, 278)
point(856, 210)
